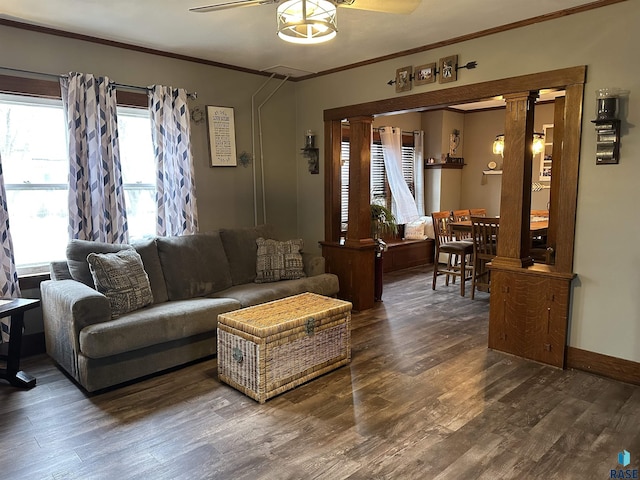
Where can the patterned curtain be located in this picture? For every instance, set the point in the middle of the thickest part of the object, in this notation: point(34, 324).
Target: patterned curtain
point(9, 287)
point(96, 194)
point(175, 187)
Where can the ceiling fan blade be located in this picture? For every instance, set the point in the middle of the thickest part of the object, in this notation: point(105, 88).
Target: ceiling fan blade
point(384, 6)
point(232, 4)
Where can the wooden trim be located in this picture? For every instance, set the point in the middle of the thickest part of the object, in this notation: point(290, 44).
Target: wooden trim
point(332, 181)
point(470, 36)
point(128, 46)
point(438, 99)
point(29, 86)
point(568, 178)
point(51, 89)
point(610, 367)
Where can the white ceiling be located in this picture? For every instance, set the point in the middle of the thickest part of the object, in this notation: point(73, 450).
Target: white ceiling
point(246, 37)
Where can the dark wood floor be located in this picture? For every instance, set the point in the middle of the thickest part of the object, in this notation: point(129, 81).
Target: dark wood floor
point(423, 398)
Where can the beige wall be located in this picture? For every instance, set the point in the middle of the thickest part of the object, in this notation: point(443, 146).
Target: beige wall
point(224, 194)
point(479, 131)
point(605, 310)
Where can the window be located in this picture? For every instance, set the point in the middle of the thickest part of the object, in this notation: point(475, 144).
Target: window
point(380, 192)
point(33, 147)
point(138, 171)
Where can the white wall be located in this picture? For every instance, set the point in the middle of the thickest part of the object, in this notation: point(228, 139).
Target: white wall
point(605, 309)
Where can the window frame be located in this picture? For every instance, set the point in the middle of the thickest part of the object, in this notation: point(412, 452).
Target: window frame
point(377, 163)
point(41, 88)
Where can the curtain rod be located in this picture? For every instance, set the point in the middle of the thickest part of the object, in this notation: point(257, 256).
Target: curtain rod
point(404, 132)
point(192, 96)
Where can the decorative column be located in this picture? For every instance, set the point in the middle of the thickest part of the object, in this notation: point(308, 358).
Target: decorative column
point(515, 199)
point(354, 261)
point(359, 228)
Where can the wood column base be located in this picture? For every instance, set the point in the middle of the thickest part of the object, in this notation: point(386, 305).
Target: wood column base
point(510, 262)
point(528, 312)
point(354, 266)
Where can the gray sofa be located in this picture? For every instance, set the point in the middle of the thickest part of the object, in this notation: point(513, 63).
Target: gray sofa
point(192, 278)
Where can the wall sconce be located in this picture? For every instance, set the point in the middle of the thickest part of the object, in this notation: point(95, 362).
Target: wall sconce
point(536, 147)
point(607, 125)
point(311, 153)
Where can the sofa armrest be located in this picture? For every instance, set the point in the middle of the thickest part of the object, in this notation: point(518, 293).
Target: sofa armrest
point(313, 264)
point(67, 307)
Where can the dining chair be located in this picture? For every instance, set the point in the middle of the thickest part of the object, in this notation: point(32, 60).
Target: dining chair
point(461, 216)
point(484, 232)
point(538, 247)
point(478, 212)
point(456, 252)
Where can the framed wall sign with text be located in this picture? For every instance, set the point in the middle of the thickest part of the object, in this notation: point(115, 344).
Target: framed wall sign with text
point(222, 136)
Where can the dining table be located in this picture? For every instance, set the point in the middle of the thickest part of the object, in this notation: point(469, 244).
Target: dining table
point(538, 228)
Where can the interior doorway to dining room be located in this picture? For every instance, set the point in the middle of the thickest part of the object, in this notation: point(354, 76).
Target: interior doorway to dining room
point(515, 212)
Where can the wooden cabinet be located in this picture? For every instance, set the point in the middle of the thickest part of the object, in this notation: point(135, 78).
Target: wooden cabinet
point(529, 313)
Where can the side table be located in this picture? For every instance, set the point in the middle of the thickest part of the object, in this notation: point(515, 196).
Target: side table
point(10, 352)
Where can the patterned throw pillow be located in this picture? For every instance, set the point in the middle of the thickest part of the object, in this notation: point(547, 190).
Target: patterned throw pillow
point(121, 278)
point(414, 231)
point(279, 260)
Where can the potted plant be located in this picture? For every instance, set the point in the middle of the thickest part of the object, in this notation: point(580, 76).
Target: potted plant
point(383, 221)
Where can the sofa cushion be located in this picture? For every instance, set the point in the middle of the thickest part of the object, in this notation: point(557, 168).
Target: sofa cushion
point(241, 249)
point(251, 294)
point(154, 325)
point(279, 260)
point(120, 276)
point(77, 252)
point(193, 265)
point(148, 251)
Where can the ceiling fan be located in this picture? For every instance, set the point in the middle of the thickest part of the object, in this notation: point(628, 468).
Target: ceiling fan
point(385, 6)
point(313, 21)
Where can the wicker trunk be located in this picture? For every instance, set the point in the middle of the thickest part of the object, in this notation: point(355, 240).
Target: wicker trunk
point(268, 349)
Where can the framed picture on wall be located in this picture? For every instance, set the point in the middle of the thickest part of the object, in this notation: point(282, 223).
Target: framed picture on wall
point(449, 69)
point(222, 136)
point(425, 73)
point(403, 79)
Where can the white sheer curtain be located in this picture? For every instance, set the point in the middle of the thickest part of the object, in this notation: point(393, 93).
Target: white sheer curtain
point(405, 209)
point(418, 170)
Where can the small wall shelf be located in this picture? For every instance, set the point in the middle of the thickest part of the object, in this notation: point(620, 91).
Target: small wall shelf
point(492, 172)
point(428, 166)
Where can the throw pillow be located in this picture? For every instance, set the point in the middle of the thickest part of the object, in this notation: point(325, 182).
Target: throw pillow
point(414, 231)
point(279, 260)
point(120, 276)
point(77, 251)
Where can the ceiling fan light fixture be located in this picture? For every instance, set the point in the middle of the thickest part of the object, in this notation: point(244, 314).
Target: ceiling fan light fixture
point(307, 21)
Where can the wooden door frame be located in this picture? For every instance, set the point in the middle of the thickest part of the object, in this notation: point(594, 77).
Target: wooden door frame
point(571, 80)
